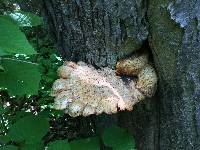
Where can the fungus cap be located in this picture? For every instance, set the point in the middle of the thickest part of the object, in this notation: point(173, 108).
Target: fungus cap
point(83, 90)
point(131, 66)
point(147, 81)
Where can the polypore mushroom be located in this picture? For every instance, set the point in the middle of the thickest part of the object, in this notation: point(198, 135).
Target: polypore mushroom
point(132, 65)
point(147, 81)
point(83, 90)
point(59, 86)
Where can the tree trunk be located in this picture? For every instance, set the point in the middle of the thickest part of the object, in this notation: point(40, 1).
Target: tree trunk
point(175, 41)
point(100, 32)
point(97, 31)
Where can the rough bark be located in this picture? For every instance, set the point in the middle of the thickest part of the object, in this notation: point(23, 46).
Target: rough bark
point(175, 42)
point(97, 31)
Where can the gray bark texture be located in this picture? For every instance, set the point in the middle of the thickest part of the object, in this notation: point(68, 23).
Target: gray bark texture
point(175, 43)
point(97, 31)
point(100, 32)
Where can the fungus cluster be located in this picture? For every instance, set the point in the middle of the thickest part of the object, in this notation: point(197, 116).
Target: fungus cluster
point(83, 90)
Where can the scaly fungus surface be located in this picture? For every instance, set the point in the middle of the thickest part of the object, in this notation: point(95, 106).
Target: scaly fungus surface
point(83, 90)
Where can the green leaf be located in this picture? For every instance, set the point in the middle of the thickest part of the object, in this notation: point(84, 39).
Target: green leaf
point(1, 68)
point(25, 19)
point(34, 146)
point(85, 144)
point(18, 115)
point(30, 129)
point(118, 139)
point(19, 77)
point(5, 139)
point(12, 40)
point(9, 147)
point(2, 109)
point(59, 145)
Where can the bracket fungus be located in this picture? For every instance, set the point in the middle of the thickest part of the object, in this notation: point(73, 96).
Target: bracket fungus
point(83, 90)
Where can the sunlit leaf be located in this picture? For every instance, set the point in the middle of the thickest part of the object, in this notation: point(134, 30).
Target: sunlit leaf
point(118, 139)
point(26, 19)
point(85, 144)
point(19, 77)
point(30, 129)
point(12, 40)
point(59, 145)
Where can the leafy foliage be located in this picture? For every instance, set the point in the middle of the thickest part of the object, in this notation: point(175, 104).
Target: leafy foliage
point(85, 144)
point(25, 19)
point(59, 145)
point(1, 68)
point(118, 138)
point(12, 40)
point(19, 77)
point(9, 147)
point(30, 129)
point(34, 146)
point(81, 144)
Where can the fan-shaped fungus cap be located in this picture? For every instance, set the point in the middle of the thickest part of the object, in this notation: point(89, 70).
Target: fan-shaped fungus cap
point(83, 90)
point(147, 81)
point(131, 66)
point(75, 109)
point(65, 70)
point(89, 110)
point(58, 86)
point(62, 100)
